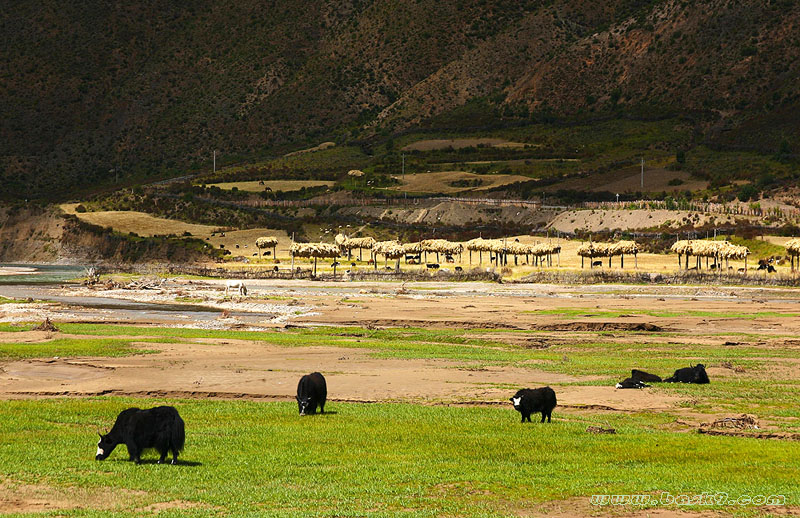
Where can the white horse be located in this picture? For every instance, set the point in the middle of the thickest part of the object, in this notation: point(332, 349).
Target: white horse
point(236, 285)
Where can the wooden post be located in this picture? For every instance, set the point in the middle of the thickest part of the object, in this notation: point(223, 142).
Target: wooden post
point(315, 266)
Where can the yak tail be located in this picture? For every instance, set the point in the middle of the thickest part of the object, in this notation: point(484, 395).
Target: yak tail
point(178, 434)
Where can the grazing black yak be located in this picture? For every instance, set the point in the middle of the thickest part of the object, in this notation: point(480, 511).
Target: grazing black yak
point(696, 374)
point(311, 391)
point(160, 428)
point(528, 401)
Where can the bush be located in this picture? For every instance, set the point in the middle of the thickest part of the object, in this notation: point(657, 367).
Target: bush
point(747, 192)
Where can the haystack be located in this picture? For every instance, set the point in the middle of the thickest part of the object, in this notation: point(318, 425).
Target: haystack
point(592, 250)
point(793, 248)
point(268, 242)
point(315, 250)
point(389, 250)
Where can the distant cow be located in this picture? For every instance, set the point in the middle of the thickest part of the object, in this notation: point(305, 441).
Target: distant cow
point(449, 259)
point(597, 263)
point(311, 391)
point(696, 374)
point(160, 428)
point(236, 285)
point(459, 269)
point(528, 401)
point(432, 266)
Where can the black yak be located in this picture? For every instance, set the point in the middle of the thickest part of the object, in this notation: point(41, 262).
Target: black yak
point(638, 379)
point(696, 374)
point(311, 391)
point(160, 428)
point(645, 376)
point(631, 383)
point(528, 401)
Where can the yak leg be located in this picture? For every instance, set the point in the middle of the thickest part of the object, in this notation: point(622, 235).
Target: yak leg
point(543, 416)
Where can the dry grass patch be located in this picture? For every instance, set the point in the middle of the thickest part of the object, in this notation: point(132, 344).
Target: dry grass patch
point(143, 224)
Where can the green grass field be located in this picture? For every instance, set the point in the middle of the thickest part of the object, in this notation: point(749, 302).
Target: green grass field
point(262, 459)
point(247, 458)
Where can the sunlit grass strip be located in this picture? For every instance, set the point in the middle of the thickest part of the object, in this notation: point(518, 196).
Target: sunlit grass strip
point(592, 313)
point(69, 347)
point(384, 459)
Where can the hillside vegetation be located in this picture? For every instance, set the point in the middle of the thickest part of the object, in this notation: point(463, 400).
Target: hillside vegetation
point(102, 95)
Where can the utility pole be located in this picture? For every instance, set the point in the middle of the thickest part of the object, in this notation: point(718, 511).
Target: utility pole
point(405, 194)
point(642, 172)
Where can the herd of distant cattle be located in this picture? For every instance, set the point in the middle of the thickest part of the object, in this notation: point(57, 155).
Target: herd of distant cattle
point(162, 428)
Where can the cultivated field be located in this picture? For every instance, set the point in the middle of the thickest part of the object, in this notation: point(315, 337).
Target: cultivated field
point(437, 364)
point(274, 185)
point(443, 182)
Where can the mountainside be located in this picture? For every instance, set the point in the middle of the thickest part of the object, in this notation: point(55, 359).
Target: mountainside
point(95, 92)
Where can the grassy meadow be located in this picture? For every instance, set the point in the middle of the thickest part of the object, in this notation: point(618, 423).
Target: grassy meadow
point(246, 458)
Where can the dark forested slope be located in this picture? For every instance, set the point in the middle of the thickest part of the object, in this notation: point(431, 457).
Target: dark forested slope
point(95, 91)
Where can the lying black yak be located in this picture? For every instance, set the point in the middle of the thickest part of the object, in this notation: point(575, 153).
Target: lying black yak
point(529, 401)
point(631, 383)
point(696, 374)
point(638, 379)
point(645, 376)
point(160, 428)
point(311, 391)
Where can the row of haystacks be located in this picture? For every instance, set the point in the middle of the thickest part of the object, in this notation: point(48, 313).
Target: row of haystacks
point(717, 250)
point(391, 249)
point(441, 246)
point(315, 250)
point(704, 248)
point(592, 250)
point(501, 248)
point(349, 244)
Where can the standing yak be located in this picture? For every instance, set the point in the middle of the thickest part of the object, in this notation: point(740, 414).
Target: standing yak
point(160, 428)
point(529, 401)
point(311, 391)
